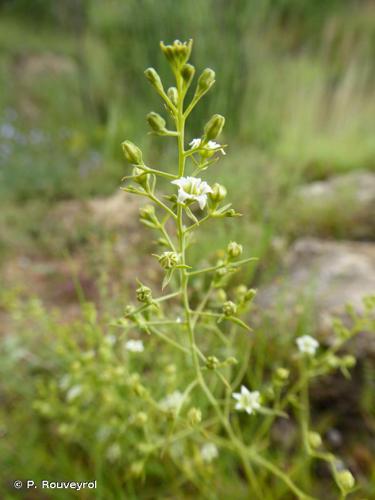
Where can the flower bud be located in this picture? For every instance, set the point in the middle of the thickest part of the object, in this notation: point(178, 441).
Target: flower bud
point(168, 260)
point(345, 480)
point(231, 361)
point(222, 270)
point(140, 419)
point(156, 122)
point(250, 294)
point(140, 177)
point(147, 212)
point(212, 362)
point(129, 310)
point(221, 295)
point(177, 53)
point(205, 81)
point(154, 79)
point(194, 416)
point(162, 242)
point(218, 193)
point(229, 308)
point(214, 127)
point(173, 95)
point(144, 294)
point(132, 153)
point(315, 441)
point(187, 73)
point(282, 374)
point(231, 213)
point(240, 292)
point(234, 250)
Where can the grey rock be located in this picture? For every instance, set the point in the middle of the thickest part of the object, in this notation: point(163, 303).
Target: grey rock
point(325, 276)
point(343, 206)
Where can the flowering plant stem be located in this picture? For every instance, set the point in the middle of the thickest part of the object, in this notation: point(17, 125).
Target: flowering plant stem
point(244, 453)
point(212, 307)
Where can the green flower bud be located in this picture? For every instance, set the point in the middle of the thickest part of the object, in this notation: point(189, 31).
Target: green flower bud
point(187, 73)
point(315, 441)
point(147, 212)
point(229, 308)
point(173, 95)
point(206, 80)
point(218, 193)
point(222, 270)
point(140, 177)
point(129, 310)
point(231, 361)
point(153, 77)
point(194, 416)
point(140, 419)
point(221, 295)
point(250, 294)
point(162, 242)
point(345, 480)
point(177, 53)
point(281, 375)
point(212, 362)
point(144, 294)
point(231, 213)
point(156, 122)
point(132, 153)
point(168, 260)
point(240, 292)
point(214, 127)
point(234, 250)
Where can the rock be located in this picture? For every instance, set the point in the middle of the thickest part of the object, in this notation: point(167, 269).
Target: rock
point(325, 275)
point(343, 206)
point(74, 222)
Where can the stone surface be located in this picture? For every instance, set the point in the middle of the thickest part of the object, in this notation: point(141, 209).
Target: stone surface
point(325, 275)
point(343, 206)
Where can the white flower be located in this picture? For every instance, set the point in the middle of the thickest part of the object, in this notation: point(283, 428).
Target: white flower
point(209, 452)
point(215, 145)
point(192, 188)
point(307, 344)
point(134, 345)
point(172, 401)
point(195, 143)
point(247, 400)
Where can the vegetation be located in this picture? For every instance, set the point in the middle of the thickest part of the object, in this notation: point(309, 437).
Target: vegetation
point(141, 400)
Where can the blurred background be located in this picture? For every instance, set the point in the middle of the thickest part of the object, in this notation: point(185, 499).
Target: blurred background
point(295, 81)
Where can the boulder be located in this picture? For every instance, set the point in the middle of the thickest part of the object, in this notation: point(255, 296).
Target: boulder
point(343, 206)
point(325, 276)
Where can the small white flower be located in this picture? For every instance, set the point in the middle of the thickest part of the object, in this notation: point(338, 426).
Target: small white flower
point(307, 344)
point(172, 401)
point(209, 452)
point(215, 145)
point(134, 346)
point(178, 319)
point(247, 400)
point(192, 188)
point(195, 143)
